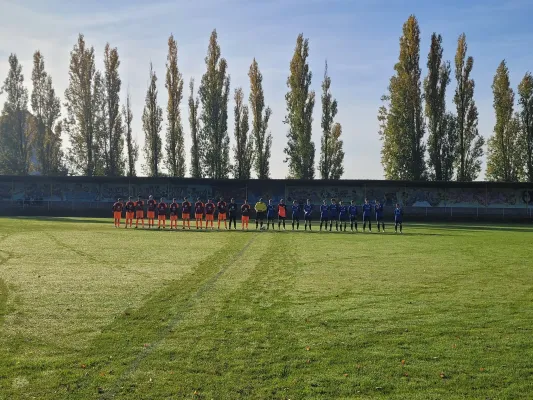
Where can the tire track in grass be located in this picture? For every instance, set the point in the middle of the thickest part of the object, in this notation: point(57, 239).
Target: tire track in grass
point(136, 333)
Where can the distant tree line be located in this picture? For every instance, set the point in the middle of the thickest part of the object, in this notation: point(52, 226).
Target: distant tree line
point(454, 146)
point(98, 123)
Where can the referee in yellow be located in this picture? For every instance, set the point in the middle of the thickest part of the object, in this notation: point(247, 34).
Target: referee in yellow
point(260, 210)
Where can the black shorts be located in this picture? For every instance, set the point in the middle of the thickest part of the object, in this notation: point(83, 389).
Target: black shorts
point(343, 219)
point(295, 217)
point(379, 218)
point(260, 215)
point(272, 217)
point(324, 219)
point(366, 217)
point(282, 218)
point(307, 217)
point(353, 218)
point(397, 221)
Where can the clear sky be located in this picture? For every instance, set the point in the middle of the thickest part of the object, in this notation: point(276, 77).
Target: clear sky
point(359, 39)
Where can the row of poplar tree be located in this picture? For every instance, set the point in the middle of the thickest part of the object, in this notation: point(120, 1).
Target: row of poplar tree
point(454, 147)
point(99, 127)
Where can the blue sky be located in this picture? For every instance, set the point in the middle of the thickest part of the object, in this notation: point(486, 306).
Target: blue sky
point(359, 39)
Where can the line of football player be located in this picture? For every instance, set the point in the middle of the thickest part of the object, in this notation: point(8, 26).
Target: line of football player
point(339, 214)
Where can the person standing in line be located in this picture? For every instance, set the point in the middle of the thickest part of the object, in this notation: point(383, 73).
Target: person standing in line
point(130, 210)
point(260, 210)
point(353, 215)
point(161, 214)
point(379, 215)
point(209, 214)
point(295, 215)
point(271, 214)
point(152, 204)
point(308, 211)
point(282, 214)
point(367, 211)
point(245, 214)
point(398, 218)
point(117, 212)
point(232, 209)
point(139, 212)
point(343, 215)
point(324, 215)
point(186, 212)
point(222, 209)
point(198, 213)
point(334, 215)
point(174, 206)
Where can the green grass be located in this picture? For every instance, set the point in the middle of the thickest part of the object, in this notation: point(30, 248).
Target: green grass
point(92, 312)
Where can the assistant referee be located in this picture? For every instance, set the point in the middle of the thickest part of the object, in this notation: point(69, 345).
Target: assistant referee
point(260, 210)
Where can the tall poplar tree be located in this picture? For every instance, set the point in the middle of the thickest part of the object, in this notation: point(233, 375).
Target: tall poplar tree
point(46, 107)
point(194, 123)
point(438, 78)
point(132, 148)
point(260, 117)
point(335, 153)
point(175, 146)
point(401, 118)
point(244, 146)
point(112, 141)
point(300, 149)
point(84, 108)
point(17, 129)
point(469, 141)
point(505, 150)
point(214, 92)
point(329, 111)
point(152, 119)
point(525, 101)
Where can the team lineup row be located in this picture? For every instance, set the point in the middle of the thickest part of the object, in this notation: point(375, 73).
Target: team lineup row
point(337, 213)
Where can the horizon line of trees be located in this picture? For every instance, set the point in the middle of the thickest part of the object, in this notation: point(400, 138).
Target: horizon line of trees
point(454, 146)
point(98, 124)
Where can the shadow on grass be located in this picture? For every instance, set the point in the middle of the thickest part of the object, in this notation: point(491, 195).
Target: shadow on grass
point(474, 227)
point(64, 219)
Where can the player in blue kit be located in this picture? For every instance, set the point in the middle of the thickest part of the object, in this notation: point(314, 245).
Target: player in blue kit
point(367, 212)
point(378, 208)
point(271, 214)
point(308, 210)
point(352, 210)
point(333, 215)
point(343, 215)
point(398, 218)
point(324, 214)
point(295, 211)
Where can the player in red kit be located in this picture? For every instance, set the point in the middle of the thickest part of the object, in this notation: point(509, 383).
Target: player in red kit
point(222, 209)
point(174, 214)
point(186, 212)
point(209, 213)
point(130, 210)
point(139, 212)
point(198, 212)
point(152, 204)
point(117, 212)
point(161, 214)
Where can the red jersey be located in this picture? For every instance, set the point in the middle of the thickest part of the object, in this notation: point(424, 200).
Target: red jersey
point(210, 208)
point(174, 209)
point(139, 205)
point(222, 207)
point(152, 205)
point(162, 208)
point(117, 207)
point(199, 207)
point(130, 206)
point(186, 207)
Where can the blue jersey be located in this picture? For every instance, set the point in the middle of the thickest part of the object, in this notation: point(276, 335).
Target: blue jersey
point(398, 213)
point(308, 209)
point(352, 210)
point(343, 212)
point(379, 210)
point(324, 211)
point(271, 210)
point(333, 210)
point(367, 209)
point(295, 210)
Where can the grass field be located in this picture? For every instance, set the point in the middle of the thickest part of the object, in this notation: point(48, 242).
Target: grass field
point(88, 312)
